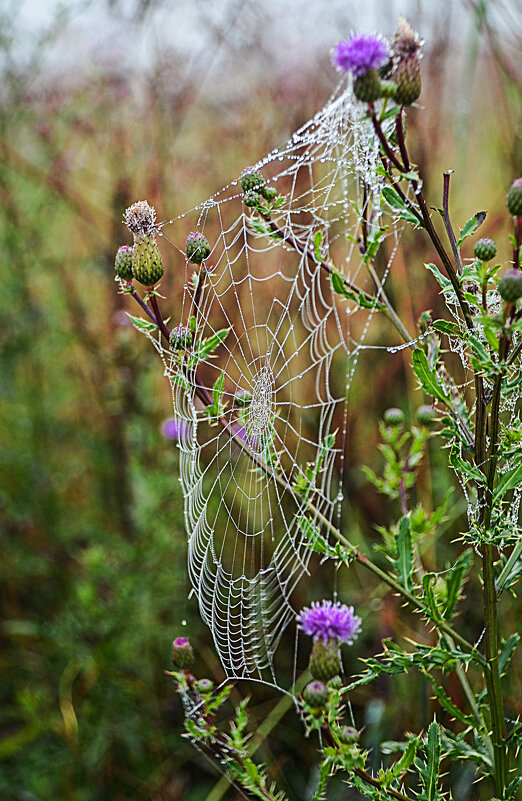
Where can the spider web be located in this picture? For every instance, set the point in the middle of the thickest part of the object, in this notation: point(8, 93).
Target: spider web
point(261, 471)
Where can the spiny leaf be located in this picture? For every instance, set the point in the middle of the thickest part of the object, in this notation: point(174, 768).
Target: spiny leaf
point(427, 377)
point(471, 226)
point(433, 761)
point(454, 581)
point(404, 561)
point(141, 324)
point(506, 652)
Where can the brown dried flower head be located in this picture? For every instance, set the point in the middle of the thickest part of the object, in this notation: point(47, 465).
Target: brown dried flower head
point(405, 40)
point(140, 218)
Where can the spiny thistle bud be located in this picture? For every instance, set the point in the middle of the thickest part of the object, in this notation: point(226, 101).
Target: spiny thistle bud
point(514, 198)
point(140, 218)
point(123, 263)
point(426, 415)
point(325, 660)
point(252, 179)
point(367, 87)
point(348, 735)
point(197, 247)
point(510, 285)
point(147, 264)
point(393, 417)
point(182, 653)
point(406, 60)
point(316, 694)
point(180, 338)
point(269, 192)
point(484, 249)
point(251, 198)
point(204, 686)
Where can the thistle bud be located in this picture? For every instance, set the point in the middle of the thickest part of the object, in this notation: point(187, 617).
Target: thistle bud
point(252, 179)
point(406, 59)
point(123, 263)
point(251, 198)
point(325, 660)
point(316, 694)
point(426, 415)
point(484, 249)
point(510, 286)
point(348, 735)
point(182, 653)
point(204, 686)
point(147, 264)
point(140, 218)
point(197, 247)
point(180, 338)
point(269, 192)
point(514, 198)
point(367, 87)
point(393, 417)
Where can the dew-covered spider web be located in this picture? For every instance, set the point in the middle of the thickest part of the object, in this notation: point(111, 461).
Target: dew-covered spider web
point(262, 388)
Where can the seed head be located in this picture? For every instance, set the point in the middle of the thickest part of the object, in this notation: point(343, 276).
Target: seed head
point(406, 64)
point(140, 218)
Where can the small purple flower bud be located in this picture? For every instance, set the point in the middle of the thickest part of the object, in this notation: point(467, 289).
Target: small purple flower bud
point(485, 249)
point(182, 653)
point(360, 53)
point(197, 247)
point(316, 694)
point(123, 263)
point(393, 417)
point(252, 180)
point(510, 285)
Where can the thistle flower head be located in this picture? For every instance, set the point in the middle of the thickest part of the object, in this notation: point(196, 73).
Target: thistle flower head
point(140, 218)
point(330, 621)
point(360, 53)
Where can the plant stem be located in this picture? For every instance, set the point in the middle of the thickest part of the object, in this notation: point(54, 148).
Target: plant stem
point(159, 319)
point(491, 670)
point(447, 222)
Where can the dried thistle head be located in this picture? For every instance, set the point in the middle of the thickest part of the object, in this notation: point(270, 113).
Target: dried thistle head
point(140, 218)
point(405, 40)
point(406, 64)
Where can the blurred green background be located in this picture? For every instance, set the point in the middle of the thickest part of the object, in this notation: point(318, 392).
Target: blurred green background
point(103, 104)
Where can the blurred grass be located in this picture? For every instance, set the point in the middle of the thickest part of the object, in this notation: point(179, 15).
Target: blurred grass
point(93, 572)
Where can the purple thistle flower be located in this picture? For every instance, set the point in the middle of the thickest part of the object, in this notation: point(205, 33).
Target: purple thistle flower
point(330, 621)
point(174, 428)
point(360, 53)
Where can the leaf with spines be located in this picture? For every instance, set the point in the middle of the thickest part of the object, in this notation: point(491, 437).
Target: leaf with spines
point(471, 226)
point(404, 561)
point(454, 582)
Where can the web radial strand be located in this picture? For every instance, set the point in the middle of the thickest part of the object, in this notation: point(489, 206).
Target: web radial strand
point(278, 380)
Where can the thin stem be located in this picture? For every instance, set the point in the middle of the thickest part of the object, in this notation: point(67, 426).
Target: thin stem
point(447, 222)
point(143, 305)
point(376, 783)
point(159, 319)
point(384, 142)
